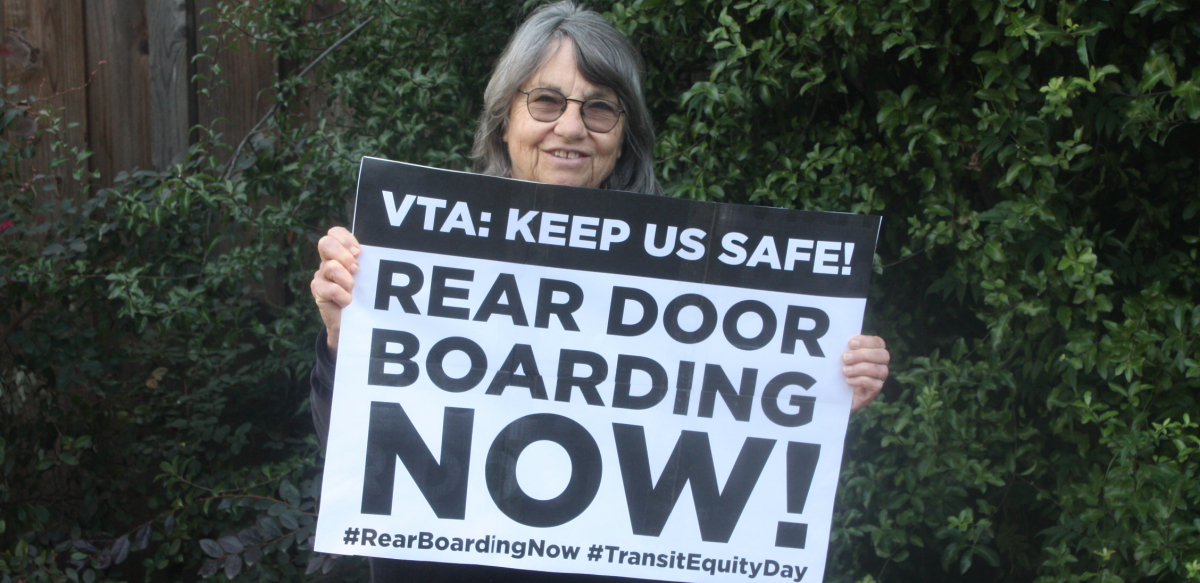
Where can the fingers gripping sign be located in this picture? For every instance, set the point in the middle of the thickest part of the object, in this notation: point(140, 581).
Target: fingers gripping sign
point(866, 368)
point(334, 279)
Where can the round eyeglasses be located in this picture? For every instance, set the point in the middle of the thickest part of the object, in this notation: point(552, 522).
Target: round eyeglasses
point(599, 115)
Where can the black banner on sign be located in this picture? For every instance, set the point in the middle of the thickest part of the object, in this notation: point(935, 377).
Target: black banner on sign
point(403, 206)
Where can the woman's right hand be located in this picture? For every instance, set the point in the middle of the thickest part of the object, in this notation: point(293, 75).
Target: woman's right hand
point(334, 279)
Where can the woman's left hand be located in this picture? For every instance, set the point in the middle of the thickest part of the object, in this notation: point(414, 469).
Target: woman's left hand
point(866, 367)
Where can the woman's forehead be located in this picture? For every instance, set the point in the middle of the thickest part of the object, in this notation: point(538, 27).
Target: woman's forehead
point(561, 73)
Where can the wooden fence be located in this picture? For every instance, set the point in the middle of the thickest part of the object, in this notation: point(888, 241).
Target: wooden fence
point(123, 71)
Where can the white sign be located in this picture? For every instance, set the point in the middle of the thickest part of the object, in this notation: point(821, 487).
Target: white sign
point(581, 381)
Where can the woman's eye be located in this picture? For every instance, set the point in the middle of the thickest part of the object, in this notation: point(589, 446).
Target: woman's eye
point(550, 99)
point(602, 107)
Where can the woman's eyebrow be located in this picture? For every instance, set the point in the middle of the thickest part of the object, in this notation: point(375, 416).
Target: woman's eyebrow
point(601, 93)
point(596, 92)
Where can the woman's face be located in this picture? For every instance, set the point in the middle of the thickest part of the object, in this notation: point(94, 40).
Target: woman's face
point(562, 151)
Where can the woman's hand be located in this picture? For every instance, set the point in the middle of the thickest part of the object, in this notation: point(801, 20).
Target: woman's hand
point(866, 367)
point(334, 279)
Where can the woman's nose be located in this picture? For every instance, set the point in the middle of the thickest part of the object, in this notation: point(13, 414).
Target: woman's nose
point(570, 123)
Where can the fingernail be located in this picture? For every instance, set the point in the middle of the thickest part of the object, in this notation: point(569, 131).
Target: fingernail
point(855, 343)
point(354, 268)
point(845, 370)
point(845, 357)
point(355, 251)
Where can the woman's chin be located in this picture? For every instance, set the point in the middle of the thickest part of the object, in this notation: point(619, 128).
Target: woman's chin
point(569, 179)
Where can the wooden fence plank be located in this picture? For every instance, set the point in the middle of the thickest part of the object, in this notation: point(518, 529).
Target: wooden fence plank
point(118, 97)
point(169, 83)
point(137, 110)
point(242, 92)
point(44, 42)
point(312, 103)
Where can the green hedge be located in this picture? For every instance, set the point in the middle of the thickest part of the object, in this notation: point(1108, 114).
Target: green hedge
point(1035, 162)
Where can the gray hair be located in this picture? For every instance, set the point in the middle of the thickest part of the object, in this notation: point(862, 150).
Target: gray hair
point(604, 57)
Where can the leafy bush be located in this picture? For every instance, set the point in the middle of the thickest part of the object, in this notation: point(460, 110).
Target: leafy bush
point(1036, 279)
point(155, 370)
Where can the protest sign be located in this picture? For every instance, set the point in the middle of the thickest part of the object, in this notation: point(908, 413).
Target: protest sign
point(584, 381)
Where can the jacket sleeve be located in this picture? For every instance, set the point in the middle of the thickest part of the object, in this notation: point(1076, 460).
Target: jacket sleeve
point(321, 397)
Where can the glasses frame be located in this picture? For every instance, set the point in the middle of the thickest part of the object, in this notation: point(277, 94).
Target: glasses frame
point(582, 108)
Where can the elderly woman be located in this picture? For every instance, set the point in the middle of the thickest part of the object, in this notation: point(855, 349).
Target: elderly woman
point(563, 106)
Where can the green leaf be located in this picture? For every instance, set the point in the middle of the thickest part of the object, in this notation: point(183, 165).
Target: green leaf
point(1013, 173)
point(1157, 69)
point(289, 493)
point(1063, 314)
point(288, 521)
point(993, 251)
point(1144, 6)
point(991, 95)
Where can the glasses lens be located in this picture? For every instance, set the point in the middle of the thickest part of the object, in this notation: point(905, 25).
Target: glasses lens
point(546, 104)
point(600, 115)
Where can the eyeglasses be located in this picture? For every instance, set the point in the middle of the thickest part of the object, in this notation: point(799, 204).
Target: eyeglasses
point(599, 115)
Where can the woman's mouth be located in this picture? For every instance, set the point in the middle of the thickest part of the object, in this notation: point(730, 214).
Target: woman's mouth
point(564, 154)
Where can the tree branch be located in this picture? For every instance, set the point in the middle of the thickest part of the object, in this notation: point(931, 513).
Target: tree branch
point(258, 126)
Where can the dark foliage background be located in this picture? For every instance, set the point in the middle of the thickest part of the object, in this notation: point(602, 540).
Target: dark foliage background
point(1035, 161)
